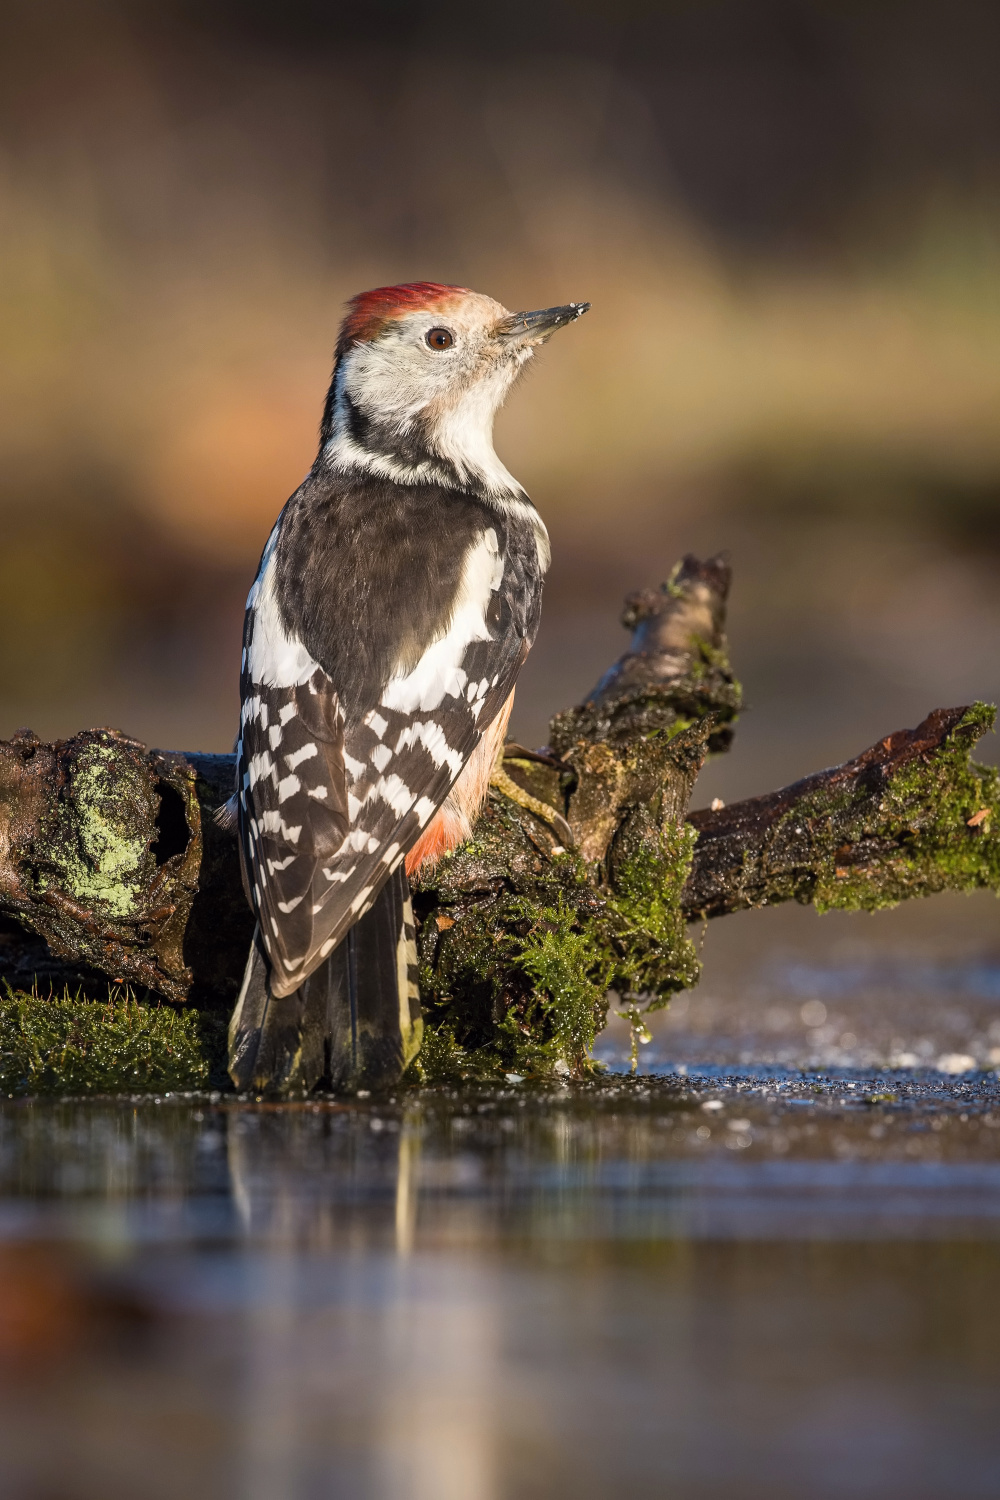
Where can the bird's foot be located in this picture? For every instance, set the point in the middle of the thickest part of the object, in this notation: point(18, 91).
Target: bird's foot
point(503, 782)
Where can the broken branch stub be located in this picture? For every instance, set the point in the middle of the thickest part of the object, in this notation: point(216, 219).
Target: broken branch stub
point(675, 677)
point(676, 670)
point(99, 853)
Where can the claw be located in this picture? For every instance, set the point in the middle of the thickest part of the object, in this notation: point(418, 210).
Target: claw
point(505, 783)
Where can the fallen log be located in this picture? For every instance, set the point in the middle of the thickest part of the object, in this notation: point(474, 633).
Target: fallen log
point(580, 878)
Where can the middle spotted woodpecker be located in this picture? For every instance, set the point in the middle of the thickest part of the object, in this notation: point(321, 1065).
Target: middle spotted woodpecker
point(395, 603)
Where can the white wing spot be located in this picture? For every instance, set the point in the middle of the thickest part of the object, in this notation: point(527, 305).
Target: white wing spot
point(281, 864)
point(273, 823)
point(261, 766)
point(438, 673)
point(375, 722)
point(308, 752)
point(360, 898)
point(431, 736)
point(287, 906)
point(288, 787)
point(393, 791)
point(380, 757)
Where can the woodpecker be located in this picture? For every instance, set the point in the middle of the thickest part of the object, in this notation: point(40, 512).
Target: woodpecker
point(396, 600)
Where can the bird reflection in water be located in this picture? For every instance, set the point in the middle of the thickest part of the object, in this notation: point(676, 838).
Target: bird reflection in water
point(404, 1368)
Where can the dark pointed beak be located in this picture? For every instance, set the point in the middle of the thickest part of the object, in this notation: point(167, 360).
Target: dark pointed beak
point(528, 328)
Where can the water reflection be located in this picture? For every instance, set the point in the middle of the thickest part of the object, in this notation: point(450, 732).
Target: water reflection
point(750, 1283)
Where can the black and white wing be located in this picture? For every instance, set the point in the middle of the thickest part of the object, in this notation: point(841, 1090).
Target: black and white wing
point(329, 806)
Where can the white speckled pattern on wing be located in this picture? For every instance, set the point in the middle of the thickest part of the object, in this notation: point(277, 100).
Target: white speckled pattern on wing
point(328, 809)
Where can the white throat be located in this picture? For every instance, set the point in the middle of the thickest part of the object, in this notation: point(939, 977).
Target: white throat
point(419, 435)
point(463, 436)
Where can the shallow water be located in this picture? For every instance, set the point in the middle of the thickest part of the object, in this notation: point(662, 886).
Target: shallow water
point(767, 1266)
point(745, 1284)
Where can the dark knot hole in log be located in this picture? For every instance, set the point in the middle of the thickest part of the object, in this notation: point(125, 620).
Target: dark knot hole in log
point(173, 833)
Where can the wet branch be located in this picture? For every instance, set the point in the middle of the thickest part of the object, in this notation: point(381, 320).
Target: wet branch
point(581, 876)
point(911, 816)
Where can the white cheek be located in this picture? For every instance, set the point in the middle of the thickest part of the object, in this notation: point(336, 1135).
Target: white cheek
point(396, 380)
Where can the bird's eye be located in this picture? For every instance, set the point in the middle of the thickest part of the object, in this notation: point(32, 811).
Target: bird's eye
point(440, 338)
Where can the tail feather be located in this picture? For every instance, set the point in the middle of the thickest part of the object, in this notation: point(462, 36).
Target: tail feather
point(354, 1022)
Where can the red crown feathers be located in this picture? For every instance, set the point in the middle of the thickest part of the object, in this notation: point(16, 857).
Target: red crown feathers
point(369, 312)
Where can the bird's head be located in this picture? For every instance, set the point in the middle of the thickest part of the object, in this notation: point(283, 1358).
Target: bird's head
point(420, 372)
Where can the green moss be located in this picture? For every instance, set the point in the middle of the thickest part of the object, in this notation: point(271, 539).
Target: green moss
point(921, 841)
point(515, 986)
point(668, 732)
point(515, 975)
point(571, 973)
point(671, 586)
point(443, 1059)
point(655, 956)
point(70, 1045)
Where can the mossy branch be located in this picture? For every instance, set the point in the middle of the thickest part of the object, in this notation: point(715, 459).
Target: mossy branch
point(580, 878)
point(911, 816)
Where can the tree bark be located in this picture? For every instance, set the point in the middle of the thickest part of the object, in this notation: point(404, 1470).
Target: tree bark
point(580, 876)
point(909, 817)
point(111, 866)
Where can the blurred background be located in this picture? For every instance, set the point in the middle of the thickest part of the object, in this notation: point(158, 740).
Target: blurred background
point(785, 212)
